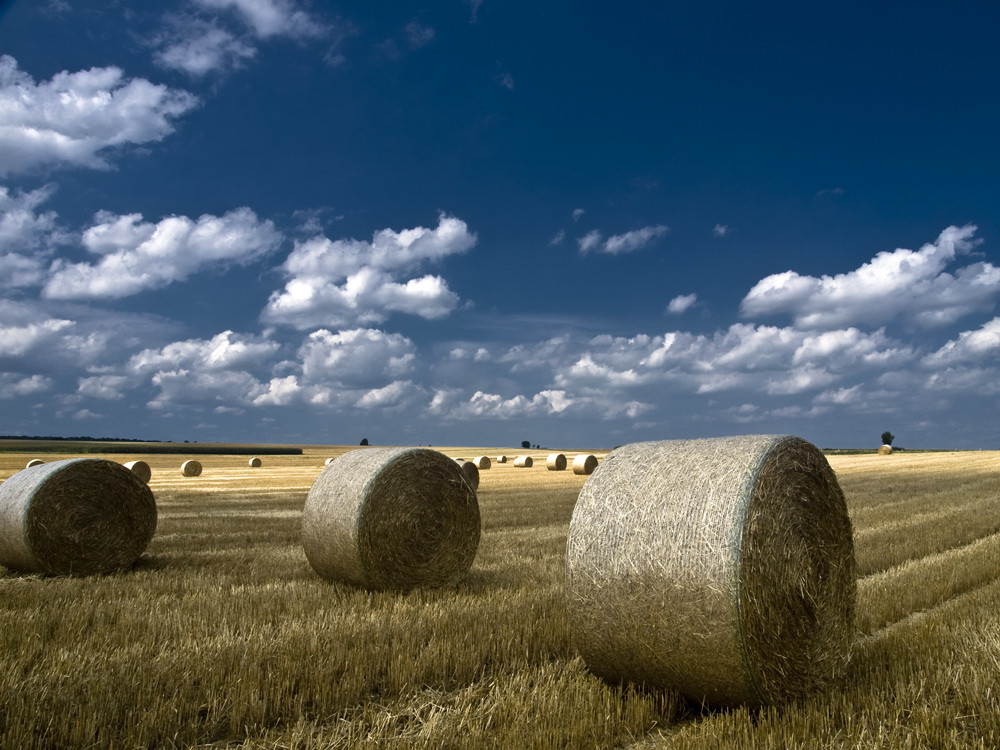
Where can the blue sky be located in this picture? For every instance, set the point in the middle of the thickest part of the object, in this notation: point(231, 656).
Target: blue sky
point(475, 222)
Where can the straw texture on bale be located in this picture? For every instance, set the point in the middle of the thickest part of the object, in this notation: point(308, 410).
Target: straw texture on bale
point(584, 464)
point(555, 462)
point(523, 462)
point(482, 462)
point(471, 472)
point(140, 469)
point(391, 518)
point(191, 468)
point(721, 568)
point(79, 516)
point(885, 450)
point(255, 462)
point(501, 459)
point(34, 462)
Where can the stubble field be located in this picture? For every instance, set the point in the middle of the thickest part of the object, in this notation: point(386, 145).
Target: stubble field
point(224, 637)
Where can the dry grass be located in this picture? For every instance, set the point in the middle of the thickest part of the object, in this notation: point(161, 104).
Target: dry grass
point(223, 637)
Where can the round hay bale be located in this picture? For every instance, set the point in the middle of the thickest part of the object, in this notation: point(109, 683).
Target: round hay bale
point(329, 461)
point(471, 472)
point(34, 462)
point(523, 462)
point(391, 518)
point(79, 516)
point(584, 464)
point(191, 468)
point(885, 450)
point(255, 462)
point(501, 459)
point(721, 568)
point(482, 462)
point(140, 469)
point(555, 462)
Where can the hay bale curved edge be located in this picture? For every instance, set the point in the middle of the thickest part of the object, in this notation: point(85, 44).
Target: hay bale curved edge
point(721, 568)
point(555, 462)
point(140, 469)
point(191, 468)
point(391, 518)
point(79, 516)
point(584, 464)
point(523, 462)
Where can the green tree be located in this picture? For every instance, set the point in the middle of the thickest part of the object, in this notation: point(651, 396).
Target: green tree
point(525, 444)
point(364, 441)
point(887, 438)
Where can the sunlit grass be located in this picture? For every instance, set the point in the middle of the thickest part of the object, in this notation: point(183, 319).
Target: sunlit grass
point(224, 637)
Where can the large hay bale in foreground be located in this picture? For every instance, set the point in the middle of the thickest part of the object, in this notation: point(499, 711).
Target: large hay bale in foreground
point(884, 450)
point(191, 468)
point(584, 464)
point(721, 568)
point(523, 462)
point(391, 518)
point(79, 516)
point(482, 462)
point(556, 462)
point(140, 469)
point(255, 462)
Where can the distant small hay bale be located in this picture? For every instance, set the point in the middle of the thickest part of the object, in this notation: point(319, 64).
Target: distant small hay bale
point(471, 472)
point(501, 459)
point(523, 462)
point(885, 450)
point(584, 464)
point(556, 462)
point(79, 516)
point(391, 518)
point(255, 462)
point(140, 469)
point(191, 468)
point(329, 461)
point(721, 568)
point(482, 462)
point(34, 462)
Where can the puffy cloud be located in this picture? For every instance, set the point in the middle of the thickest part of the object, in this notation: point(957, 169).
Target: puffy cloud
point(137, 255)
point(16, 386)
point(107, 387)
point(397, 394)
point(970, 346)
point(75, 117)
point(270, 18)
point(902, 284)
point(448, 403)
point(621, 243)
point(199, 48)
point(27, 236)
point(720, 230)
point(355, 357)
point(224, 351)
point(681, 303)
point(345, 282)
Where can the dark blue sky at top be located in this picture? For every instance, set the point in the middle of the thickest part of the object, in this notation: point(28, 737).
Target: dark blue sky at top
point(720, 143)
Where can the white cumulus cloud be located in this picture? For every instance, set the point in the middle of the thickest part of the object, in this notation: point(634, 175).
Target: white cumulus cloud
point(911, 286)
point(345, 282)
point(969, 347)
point(75, 118)
point(355, 357)
point(681, 303)
point(617, 244)
point(138, 255)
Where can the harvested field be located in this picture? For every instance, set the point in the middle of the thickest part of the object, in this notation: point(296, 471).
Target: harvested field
point(224, 637)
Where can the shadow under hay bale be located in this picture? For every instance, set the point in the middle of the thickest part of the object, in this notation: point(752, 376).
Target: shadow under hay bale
point(391, 518)
point(523, 462)
point(191, 468)
point(471, 472)
point(584, 464)
point(255, 462)
point(555, 462)
point(79, 516)
point(140, 469)
point(721, 568)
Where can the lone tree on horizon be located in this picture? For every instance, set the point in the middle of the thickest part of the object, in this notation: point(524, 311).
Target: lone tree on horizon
point(887, 438)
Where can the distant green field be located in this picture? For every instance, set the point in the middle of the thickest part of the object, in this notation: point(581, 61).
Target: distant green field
point(223, 636)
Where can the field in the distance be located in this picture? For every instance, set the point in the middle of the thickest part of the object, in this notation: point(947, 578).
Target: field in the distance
point(224, 637)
